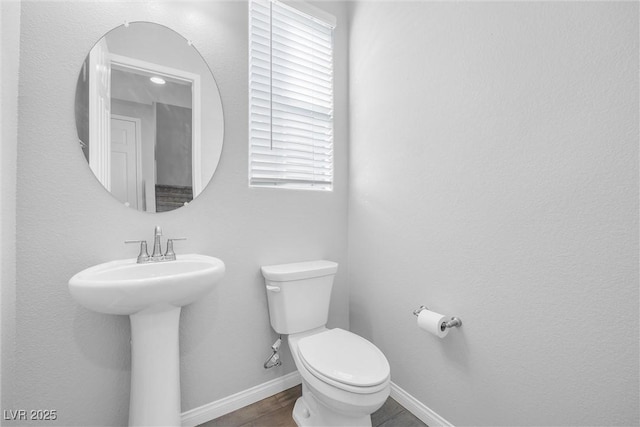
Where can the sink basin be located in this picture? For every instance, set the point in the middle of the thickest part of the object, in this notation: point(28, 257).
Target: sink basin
point(125, 287)
point(152, 294)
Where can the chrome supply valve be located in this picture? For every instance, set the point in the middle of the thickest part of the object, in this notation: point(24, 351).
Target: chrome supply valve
point(276, 345)
point(274, 360)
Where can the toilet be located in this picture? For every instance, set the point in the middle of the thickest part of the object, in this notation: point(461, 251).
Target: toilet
point(345, 378)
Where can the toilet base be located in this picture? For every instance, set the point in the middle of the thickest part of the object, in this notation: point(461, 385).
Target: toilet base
point(309, 412)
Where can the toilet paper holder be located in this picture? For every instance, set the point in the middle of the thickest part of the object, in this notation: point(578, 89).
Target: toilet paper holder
point(453, 323)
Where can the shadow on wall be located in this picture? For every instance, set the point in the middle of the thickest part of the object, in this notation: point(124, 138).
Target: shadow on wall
point(103, 339)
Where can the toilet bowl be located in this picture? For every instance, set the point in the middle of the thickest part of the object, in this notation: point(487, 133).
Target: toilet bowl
point(345, 378)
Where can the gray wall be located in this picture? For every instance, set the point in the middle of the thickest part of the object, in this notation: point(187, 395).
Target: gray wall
point(173, 145)
point(77, 361)
point(10, 46)
point(494, 176)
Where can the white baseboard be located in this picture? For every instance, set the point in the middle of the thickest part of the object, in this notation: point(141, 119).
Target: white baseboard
point(417, 408)
point(218, 408)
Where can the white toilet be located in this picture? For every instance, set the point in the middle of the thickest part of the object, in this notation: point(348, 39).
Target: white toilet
point(344, 377)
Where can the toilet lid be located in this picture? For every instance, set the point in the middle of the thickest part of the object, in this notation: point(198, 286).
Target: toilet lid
point(344, 357)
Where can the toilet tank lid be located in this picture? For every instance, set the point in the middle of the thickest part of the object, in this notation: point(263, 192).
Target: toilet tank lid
point(299, 270)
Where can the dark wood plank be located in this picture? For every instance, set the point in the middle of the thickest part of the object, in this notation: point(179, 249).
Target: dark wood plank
point(289, 396)
point(279, 418)
point(403, 419)
point(245, 416)
point(387, 411)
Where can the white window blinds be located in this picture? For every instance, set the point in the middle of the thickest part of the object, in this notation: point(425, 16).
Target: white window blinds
point(290, 98)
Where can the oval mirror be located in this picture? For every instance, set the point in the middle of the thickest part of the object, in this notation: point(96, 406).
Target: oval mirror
point(149, 117)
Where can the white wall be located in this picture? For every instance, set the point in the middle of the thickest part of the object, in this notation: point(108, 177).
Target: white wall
point(9, 63)
point(494, 176)
point(77, 361)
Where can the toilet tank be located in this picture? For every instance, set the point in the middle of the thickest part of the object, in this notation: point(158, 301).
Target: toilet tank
point(298, 294)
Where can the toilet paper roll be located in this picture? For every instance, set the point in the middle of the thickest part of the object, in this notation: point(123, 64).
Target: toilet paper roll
point(431, 322)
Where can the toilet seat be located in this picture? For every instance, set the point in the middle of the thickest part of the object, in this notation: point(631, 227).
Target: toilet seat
point(344, 360)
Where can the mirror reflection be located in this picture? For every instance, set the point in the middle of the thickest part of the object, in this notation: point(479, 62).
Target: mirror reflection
point(149, 117)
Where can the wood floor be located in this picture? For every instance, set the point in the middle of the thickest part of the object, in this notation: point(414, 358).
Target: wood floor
point(275, 411)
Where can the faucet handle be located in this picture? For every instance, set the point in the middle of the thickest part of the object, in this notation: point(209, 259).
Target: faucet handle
point(170, 255)
point(143, 256)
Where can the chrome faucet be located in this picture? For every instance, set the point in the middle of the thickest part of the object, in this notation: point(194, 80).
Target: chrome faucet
point(156, 256)
point(157, 250)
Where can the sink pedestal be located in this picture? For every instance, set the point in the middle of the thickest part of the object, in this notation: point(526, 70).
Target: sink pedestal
point(155, 367)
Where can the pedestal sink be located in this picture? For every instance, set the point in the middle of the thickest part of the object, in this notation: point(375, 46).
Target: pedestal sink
point(152, 294)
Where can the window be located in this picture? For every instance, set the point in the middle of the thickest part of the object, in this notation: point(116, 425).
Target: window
point(290, 96)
